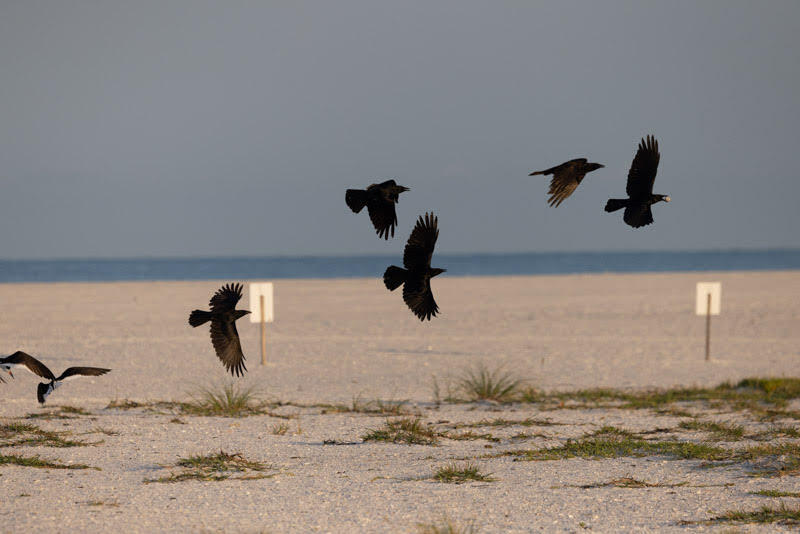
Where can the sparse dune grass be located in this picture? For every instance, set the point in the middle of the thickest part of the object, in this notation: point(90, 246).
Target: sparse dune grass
point(407, 430)
point(776, 493)
point(228, 400)
point(456, 474)
point(35, 461)
point(215, 467)
point(447, 526)
point(611, 442)
point(630, 482)
point(483, 384)
point(58, 412)
point(721, 431)
point(369, 407)
point(782, 515)
point(24, 434)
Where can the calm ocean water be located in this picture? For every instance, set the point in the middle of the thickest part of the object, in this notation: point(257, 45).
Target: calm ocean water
point(373, 266)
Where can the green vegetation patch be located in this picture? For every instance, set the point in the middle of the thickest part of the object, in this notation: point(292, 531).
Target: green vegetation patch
point(59, 412)
point(407, 430)
point(458, 474)
point(35, 461)
point(216, 467)
point(721, 431)
point(766, 514)
point(481, 383)
point(611, 442)
point(27, 435)
point(629, 482)
point(372, 407)
point(776, 493)
point(447, 526)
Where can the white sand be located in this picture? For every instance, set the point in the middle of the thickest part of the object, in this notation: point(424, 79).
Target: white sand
point(335, 340)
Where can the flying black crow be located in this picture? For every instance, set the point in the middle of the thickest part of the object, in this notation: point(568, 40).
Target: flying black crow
point(379, 200)
point(641, 178)
point(223, 318)
point(566, 178)
point(20, 359)
point(418, 271)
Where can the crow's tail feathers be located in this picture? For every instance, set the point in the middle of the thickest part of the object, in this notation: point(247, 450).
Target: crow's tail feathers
point(394, 277)
point(615, 204)
point(198, 317)
point(356, 199)
point(42, 392)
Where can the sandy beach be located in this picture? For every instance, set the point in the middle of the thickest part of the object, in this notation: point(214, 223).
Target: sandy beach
point(334, 341)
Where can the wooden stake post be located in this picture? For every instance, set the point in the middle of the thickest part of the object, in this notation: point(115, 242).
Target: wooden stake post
point(263, 312)
point(708, 303)
point(264, 331)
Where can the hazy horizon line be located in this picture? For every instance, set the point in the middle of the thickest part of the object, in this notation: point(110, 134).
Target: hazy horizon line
point(727, 250)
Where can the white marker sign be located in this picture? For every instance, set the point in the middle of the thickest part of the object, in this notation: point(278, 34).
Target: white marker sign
point(256, 292)
point(704, 289)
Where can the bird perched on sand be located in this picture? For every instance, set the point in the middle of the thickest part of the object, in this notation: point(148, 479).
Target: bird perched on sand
point(641, 177)
point(379, 200)
point(416, 277)
point(566, 178)
point(223, 318)
point(20, 359)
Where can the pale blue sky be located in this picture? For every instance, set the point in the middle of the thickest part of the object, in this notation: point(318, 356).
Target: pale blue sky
point(192, 128)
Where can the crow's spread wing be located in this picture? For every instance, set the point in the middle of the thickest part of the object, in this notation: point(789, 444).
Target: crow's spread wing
point(34, 366)
point(578, 162)
point(226, 343)
point(73, 372)
point(418, 297)
point(419, 248)
point(226, 297)
point(642, 173)
point(566, 178)
point(382, 215)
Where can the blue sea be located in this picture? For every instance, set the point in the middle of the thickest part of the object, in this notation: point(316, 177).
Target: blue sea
point(97, 270)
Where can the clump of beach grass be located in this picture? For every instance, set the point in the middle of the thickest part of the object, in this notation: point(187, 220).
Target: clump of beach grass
point(36, 461)
point(280, 429)
point(407, 430)
point(59, 412)
point(227, 400)
point(766, 514)
point(612, 442)
point(216, 467)
point(776, 493)
point(630, 482)
point(369, 407)
point(721, 431)
point(25, 434)
point(483, 384)
point(457, 474)
point(447, 526)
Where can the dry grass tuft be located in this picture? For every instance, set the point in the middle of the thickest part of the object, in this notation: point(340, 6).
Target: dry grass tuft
point(216, 467)
point(407, 430)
